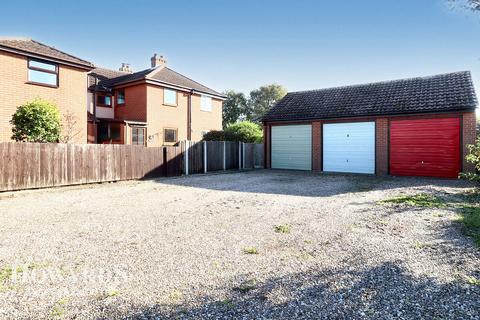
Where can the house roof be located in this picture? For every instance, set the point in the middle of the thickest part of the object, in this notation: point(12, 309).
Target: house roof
point(37, 49)
point(102, 75)
point(439, 93)
point(162, 75)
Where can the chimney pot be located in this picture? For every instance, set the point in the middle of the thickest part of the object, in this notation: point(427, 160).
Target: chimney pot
point(158, 61)
point(125, 68)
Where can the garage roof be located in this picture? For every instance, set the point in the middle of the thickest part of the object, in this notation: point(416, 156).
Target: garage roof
point(433, 94)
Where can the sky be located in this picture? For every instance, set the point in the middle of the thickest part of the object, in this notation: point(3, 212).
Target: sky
point(241, 45)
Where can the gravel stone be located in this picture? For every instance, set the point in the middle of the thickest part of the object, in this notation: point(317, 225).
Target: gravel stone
point(174, 248)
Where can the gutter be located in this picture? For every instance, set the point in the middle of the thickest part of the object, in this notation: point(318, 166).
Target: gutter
point(95, 108)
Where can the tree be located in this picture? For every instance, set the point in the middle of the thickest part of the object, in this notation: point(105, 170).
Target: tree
point(36, 121)
point(234, 107)
point(262, 99)
point(69, 127)
point(473, 5)
point(474, 158)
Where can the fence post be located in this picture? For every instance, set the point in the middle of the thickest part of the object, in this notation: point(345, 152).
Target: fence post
point(239, 155)
point(204, 156)
point(186, 144)
point(224, 156)
point(243, 148)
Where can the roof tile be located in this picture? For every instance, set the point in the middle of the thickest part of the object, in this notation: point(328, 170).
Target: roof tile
point(439, 93)
point(34, 47)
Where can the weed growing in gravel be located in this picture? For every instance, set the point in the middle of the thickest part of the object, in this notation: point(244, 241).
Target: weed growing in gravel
point(108, 294)
point(417, 200)
point(250, 250)
point(472, 280)
point(175, 295)
point(228, 303)
point(113, 293)
point(283, 228)
point(420, 245)
point(305, 256)
point(6, 274)
point(247, 286)
point(58, 309)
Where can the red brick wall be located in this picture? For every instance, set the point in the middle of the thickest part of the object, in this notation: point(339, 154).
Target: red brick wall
point(266, 145)
point(317, 145)
point(70, 96)
point(469, 135)
point(381, 132)
point(91, 132)
point(381, 146)
point(135, 107)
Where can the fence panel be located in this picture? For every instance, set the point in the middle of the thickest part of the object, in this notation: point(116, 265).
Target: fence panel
point(214, 155)
point(39, 165)
point(232, 155)
point(258, 155)
point(195, 157)
point(173, 161)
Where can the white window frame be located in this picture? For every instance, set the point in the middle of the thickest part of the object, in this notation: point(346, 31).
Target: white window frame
point(206, 103)
point(167, 103)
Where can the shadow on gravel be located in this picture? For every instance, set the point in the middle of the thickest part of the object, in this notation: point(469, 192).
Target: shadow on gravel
point(302, 183)
point(386, 291)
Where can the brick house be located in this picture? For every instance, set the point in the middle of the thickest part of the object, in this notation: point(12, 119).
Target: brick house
point(409, 127)
point(30, 69)
point(152, 107)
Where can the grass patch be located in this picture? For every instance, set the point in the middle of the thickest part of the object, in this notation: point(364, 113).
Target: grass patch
point(418, 200)
point(250, 250)
point(283, 228)
point(470, 217)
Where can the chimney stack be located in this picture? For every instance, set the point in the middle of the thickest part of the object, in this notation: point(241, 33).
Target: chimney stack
point(158, 61)
point(126, 68)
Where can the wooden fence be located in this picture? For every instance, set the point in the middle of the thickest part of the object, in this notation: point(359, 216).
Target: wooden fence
point(39, 165)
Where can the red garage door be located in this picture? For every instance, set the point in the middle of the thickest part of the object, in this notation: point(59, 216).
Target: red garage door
point(427, 147)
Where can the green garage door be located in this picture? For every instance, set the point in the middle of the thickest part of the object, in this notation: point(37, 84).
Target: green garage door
point(292, 147)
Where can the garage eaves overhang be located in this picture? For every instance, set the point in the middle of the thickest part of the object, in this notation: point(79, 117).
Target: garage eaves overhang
point(366, 116)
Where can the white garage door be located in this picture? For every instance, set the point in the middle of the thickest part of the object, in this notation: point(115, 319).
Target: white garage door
point(349, 147)
point(292, 147)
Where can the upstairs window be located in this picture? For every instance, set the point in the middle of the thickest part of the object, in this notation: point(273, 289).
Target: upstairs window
point(169, 97)
point(43, 73)
point(206, 103)
point(169, 135)
point(121, 97)
point(104, 101)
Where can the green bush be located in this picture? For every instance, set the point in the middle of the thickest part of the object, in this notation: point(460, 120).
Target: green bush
point(244, 131)
point(214, 135)
point(473, 157)
point(36, 121)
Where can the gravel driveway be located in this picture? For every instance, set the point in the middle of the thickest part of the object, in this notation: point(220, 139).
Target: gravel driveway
point(185, 248)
